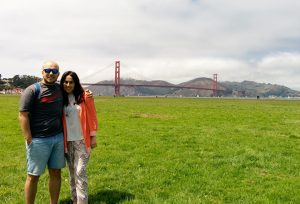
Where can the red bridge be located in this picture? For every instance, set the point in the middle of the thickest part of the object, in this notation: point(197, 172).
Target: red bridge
point(117, 83)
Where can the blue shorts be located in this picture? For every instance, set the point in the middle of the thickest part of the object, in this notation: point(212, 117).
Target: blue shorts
point(45, 151)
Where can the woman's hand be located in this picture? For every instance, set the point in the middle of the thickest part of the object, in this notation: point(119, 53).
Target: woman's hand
point(93, 142)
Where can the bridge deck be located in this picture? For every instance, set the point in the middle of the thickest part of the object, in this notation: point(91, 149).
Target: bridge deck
point(152, 85)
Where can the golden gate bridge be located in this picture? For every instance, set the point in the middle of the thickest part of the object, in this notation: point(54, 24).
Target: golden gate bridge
point(117, 83)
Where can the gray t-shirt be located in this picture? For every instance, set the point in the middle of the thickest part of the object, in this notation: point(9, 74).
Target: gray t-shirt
point(45, 112)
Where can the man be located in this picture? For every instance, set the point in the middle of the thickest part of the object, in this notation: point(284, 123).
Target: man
point(40, 117)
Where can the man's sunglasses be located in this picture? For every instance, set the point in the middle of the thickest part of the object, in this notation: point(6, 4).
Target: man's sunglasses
point(48, 70)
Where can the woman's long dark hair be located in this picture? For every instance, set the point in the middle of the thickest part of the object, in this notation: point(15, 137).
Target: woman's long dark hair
point(78, 90)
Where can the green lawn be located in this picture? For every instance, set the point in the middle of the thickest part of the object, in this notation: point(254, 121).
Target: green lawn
point(175, 150)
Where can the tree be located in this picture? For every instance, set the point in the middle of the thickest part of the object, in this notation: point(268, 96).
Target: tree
point(2, 83)
point(24, 80)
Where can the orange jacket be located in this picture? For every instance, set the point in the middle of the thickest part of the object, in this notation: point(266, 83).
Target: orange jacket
point(88, 122)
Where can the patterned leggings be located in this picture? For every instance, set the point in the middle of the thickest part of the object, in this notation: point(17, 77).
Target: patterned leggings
point(77, 159)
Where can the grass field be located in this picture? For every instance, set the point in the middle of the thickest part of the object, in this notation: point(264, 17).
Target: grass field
point(167, 150)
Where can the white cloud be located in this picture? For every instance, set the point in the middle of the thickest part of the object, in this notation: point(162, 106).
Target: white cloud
point(172, 40)
point(280, 68)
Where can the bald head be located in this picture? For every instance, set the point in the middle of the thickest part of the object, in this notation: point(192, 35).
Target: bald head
point(50, 72)
point(51, 64)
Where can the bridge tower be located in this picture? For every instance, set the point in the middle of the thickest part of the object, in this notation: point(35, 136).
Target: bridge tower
point(117, 78)
point(215, 85)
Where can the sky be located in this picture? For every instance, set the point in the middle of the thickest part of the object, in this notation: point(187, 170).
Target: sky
point(171, 40)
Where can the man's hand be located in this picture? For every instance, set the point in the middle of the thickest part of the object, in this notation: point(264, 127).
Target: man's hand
point(28, 140)
point(88, 93)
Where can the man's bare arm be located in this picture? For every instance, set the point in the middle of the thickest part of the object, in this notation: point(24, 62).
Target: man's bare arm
point(25, 126)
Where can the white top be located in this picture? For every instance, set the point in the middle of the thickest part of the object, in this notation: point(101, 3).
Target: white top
point(74, 131)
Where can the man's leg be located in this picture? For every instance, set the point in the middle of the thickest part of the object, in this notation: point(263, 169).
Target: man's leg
point(55, 163)
point(37, 157)
point(54, 184)
point(30, 188)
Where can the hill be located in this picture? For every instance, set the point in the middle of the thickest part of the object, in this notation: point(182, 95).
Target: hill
point(253, 89)
point(226, 89)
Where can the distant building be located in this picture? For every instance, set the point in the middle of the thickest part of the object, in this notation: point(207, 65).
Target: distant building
point(12, 91)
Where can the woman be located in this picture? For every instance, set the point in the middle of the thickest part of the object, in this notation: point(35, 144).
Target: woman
point(80, 126)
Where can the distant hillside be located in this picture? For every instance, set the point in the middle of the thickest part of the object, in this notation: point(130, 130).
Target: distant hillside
point(198, 82)
point(253, 89)
point(133, 91)
point(227, 89)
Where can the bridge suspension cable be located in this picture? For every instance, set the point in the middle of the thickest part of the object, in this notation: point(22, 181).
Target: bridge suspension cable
point(133, 73)
point(87, 77)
